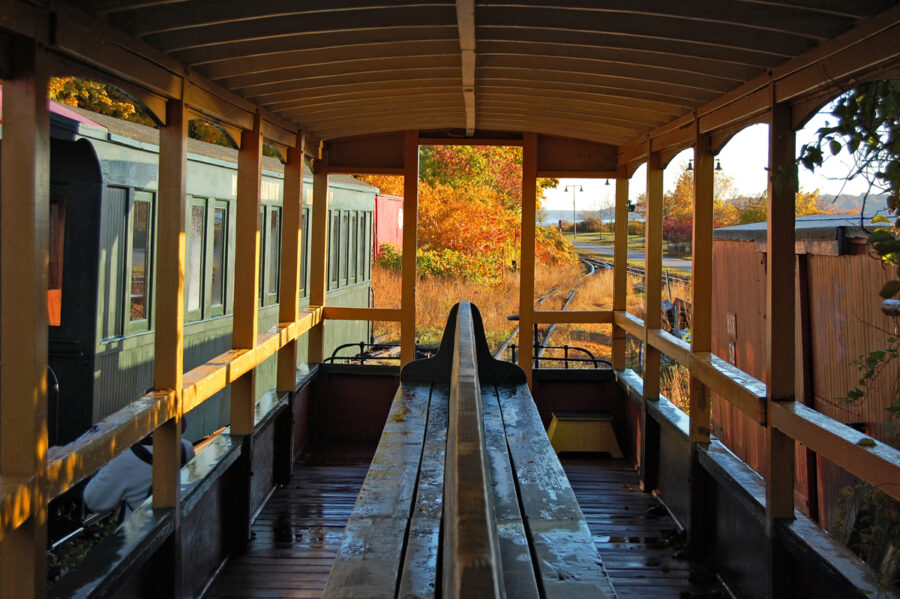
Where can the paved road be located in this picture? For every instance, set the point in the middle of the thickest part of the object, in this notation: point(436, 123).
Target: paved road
point(605, 250)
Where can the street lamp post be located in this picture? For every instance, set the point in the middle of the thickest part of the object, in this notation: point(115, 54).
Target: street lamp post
point(574, 217)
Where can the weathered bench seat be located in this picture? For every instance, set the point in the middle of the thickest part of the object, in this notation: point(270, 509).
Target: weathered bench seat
point(465, 492)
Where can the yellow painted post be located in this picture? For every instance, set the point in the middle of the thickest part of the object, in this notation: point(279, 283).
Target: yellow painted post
point(701, 333)
point(408, 268)
point(168, 366)
point(526, 273)
point(652, 319)
point(246, 273)
point(24, 254)
point(318, 255)
point(780, 306)
point(620, 265)
point(291, 242)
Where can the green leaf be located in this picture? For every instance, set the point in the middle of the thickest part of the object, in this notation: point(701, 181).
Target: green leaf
point(835, 147)
point(890, 289)
point(880, 219)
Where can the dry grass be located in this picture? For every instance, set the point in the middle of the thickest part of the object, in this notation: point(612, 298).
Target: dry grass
point(498, 300)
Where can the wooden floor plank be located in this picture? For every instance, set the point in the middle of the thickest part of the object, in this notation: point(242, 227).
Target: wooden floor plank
point(634, 535)
point(298, 532)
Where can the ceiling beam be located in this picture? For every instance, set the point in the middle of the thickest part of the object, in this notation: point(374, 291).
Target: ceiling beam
point(465, 20)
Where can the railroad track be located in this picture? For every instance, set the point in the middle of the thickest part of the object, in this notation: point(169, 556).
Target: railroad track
point(591, 265)
point(637, 271)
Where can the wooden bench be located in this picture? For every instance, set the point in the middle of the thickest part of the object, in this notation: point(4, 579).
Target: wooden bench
point(465, 496)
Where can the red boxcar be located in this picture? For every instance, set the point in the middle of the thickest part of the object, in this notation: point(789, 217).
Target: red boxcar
point(388, 222)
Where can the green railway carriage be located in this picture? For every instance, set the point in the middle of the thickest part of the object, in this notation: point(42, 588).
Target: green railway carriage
point(102, 281)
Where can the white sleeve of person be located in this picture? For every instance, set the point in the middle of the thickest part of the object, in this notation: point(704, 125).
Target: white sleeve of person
point(125, 478)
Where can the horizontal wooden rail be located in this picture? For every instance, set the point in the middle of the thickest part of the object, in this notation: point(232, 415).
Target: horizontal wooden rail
point(630, 323)
point(740, 389)
point(876, 463)
point(344, 313)
point(69, 464)
point(204, 381)
point(16, 501)
point(573, 316)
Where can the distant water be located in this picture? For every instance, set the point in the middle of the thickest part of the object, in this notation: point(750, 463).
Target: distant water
point(552, 217)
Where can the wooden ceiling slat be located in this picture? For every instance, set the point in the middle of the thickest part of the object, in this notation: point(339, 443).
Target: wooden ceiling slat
point(374, 109)
point(155, 19)
point(638, 87)
point(314, 41)
point(649, 26)
point(600, 40)
point(621, 114)
point(597, 99)
point(239, 66)
point(353, 20)
point(712, 83)
point(347, 67)
point(783, 18)
point(364, 91)
point(449, 75)
point(630, 57)
point(602, 91)
point(557, 117)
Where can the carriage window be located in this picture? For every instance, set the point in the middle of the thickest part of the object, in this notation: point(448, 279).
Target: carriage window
point(361, 247)
point(140, 257)
point(354, 246)
point(57, 239)
point(344, 246)
point(262, 252)
point(274, 253)
point(333, 244)
point(219, 251)
point(304, 255)
point(194, 266)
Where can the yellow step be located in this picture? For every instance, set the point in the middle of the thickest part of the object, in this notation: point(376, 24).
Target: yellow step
point(583, 432)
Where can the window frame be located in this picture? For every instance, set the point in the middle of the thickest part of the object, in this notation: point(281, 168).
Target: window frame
point(199, 312)
point(143, 324)
point(211, 309)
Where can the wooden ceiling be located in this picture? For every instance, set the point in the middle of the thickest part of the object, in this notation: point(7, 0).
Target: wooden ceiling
point(607, 71)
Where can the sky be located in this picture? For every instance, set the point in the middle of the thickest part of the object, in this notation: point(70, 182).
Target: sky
point(743, 158)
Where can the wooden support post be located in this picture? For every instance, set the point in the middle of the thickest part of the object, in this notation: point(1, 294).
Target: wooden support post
point(620, 265)
point(408, 268)
point(168, 366)
point(652, 320)
point(246, 302)
point(246, 273)
point(526, 272)
point(318, 255)
point(168, 361)
point(780, 357)
point(701, 333)
point(806, 387)
point(24, 251)
point(291, 242)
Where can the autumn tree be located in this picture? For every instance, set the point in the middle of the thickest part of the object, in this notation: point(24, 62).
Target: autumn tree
point(97, 97)
point(470, 211)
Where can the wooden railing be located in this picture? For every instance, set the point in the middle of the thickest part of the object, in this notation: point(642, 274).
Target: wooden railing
point(869, 459)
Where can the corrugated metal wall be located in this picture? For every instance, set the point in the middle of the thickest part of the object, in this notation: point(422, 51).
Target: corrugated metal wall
point(845, 321)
